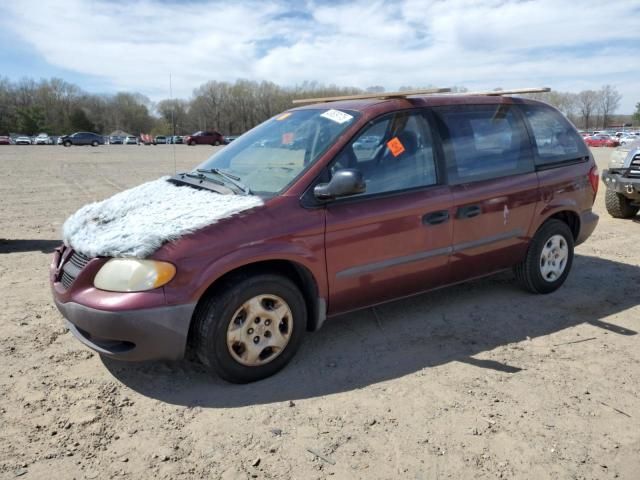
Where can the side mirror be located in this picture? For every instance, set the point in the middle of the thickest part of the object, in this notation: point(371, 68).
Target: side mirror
point(344, 182)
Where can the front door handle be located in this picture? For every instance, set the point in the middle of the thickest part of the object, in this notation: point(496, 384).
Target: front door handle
point(435, 218)
point(468, 211)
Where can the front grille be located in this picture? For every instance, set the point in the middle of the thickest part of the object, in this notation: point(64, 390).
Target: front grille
point(72, 268)
point(634, 168)
point(66, 280)
point(79, 260)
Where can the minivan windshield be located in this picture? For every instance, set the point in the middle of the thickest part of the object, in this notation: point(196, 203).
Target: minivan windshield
point(267, 158)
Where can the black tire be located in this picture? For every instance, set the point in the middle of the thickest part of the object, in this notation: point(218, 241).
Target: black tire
point(67, 143)
point(191, 143)
point(94, 143)
point(618, 205)
point(528, 273)
point(214, 315)
point(216, 143)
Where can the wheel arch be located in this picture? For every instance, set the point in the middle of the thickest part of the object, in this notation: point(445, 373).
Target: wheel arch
point(571, 218)
point(564, 213)
point(300, 275)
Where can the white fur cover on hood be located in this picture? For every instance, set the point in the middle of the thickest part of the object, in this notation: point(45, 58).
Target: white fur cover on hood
point(136, 222)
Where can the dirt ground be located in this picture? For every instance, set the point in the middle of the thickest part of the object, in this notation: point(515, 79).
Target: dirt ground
point(480, 380)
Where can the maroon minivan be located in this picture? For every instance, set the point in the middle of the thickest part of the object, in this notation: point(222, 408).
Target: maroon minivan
point(356, 203)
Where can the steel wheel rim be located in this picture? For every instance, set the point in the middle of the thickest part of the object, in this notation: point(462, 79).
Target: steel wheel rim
point(260, 330)
point(553, 258)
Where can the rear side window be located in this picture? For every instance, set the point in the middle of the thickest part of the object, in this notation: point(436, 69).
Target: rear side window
point(483, 142)
point(555, 139)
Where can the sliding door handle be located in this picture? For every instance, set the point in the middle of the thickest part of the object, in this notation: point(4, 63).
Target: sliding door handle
point(468, 211)
point(435, 218)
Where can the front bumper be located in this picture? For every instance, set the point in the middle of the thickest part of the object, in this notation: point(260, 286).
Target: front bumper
point(147, 334)
point(627, 186)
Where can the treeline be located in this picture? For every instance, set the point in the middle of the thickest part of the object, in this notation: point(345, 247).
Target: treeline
point(588, 109)
point(59, 107)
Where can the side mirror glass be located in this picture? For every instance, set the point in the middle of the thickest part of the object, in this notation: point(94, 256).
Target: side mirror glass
point(344, 182)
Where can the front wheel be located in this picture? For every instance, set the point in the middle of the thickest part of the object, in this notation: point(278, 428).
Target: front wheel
point(619, 206)
point(67, 143)
point(250, 328)
point(94, 143)
point(548, 260)
point(191, 143)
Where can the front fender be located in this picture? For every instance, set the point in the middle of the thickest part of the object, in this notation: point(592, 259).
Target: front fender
point(312, 259)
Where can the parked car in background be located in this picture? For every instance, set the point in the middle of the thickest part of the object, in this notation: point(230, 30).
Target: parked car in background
point(116, 140)
point(22, 140)
point(601, 140)
point(83, 138)
point(159, 140)
point(131, 140)
point(146, 139)
point(5, 140)
point(205, 138)
point(628, 138)
point(367, 142)
point(230, 138)
point(42, 139)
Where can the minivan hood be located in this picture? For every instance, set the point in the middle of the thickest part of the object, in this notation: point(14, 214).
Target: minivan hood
point(138, 221)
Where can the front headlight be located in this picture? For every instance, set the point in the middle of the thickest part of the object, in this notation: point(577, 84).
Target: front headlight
point(133, 275)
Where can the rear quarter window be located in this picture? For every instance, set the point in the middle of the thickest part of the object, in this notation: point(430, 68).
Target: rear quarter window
point(555, 139)
point(483, 142)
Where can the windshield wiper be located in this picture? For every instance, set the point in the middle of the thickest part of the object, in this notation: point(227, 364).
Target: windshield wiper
point(202, 177)
point(234, 180)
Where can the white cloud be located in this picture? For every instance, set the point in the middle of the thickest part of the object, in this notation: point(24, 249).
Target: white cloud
point(475, 43)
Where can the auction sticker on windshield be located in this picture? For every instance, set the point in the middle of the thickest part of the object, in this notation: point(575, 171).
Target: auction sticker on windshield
point(337, 116)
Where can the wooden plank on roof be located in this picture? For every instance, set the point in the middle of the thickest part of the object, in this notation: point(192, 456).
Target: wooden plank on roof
point(380, 95)
point(513, 91)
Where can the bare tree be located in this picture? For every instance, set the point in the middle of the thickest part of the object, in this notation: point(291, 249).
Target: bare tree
point(609, 99)
point(587, 101)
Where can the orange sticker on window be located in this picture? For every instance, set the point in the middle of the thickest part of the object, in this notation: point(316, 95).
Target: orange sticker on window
point(287, 138)
point(283, 116)
point(395, 146)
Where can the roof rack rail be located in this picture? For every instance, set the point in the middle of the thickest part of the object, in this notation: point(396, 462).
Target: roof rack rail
point(381, 95)
point(512, 91)
point(428, 91)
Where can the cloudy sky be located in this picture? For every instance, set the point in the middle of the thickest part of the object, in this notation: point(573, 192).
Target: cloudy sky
point(106, 46)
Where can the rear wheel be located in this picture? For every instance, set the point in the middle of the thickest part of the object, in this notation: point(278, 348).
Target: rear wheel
point(619, 206)
point(250, 328)
point(548, 260)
